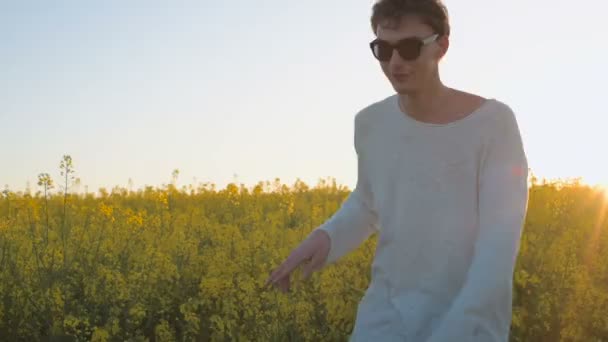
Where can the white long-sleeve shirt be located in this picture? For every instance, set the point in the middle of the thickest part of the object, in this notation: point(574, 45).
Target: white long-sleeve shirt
point(448, 202)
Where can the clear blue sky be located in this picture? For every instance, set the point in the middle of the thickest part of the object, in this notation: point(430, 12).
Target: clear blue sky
point(269, 88)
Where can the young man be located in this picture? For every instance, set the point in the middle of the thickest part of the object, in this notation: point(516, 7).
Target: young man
point(442, 177)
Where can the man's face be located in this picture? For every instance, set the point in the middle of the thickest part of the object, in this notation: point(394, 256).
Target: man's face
point(407, 76)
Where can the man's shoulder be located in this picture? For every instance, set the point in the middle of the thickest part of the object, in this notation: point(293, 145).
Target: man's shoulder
point(501, 112)
point(473, 102)
point(494, 110)
point(374, 111)
point(369, 119)
point(502, 124)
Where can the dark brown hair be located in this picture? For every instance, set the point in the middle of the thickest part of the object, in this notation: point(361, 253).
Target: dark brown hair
point(432, 12)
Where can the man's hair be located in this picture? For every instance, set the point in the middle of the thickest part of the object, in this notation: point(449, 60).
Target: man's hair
point(431, 12)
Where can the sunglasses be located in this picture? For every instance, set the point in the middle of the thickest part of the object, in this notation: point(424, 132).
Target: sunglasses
point(409, 48)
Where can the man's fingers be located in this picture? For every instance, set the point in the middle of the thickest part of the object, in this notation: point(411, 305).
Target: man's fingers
point(287, 267)
point(312, 266)
point(284, 284)
point(270, 279)
point(276, 275)
point(284, 269)
point(281, 274)
point(307, 271)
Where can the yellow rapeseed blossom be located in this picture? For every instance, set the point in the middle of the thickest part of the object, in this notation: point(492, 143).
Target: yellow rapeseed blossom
point(169, 265)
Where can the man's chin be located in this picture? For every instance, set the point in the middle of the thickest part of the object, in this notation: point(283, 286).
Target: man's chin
point(404, 89)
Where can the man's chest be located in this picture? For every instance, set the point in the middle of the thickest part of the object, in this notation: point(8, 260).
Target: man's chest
point(435, 167)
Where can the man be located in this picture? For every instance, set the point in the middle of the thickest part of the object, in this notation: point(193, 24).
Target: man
point(442, 177)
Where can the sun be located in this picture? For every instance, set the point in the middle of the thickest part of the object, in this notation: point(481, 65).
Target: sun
point(600, 187)
point(603, 188)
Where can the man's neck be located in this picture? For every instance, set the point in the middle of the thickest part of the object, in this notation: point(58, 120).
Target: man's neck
point(427, 103)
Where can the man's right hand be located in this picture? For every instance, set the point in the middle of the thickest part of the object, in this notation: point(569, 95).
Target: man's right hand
point(313, 250)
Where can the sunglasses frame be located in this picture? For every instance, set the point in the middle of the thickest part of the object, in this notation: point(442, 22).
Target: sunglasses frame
point(421, 43)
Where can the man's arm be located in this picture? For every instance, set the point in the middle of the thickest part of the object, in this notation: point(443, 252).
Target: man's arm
point(503, 201)
point(356, 219)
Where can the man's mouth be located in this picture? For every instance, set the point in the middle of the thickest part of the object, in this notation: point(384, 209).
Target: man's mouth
point(401, 77)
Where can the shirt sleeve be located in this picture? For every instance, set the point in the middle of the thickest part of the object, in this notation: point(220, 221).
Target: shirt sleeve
point(356, 219)
point(482, 310)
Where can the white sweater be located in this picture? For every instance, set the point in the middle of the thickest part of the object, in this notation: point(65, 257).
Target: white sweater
point(449, 203)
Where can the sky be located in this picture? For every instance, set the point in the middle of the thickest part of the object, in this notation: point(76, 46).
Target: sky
point(250, 91)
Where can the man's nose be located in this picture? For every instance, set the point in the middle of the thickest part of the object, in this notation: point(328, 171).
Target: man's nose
point(396, 62)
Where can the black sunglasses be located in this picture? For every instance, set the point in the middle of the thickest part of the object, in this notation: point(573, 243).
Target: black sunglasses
point(409, 48)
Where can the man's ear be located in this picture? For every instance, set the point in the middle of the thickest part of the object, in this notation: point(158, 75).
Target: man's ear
point(444, 44)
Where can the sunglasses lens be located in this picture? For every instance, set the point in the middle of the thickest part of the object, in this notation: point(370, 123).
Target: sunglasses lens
point(382, 51)
point(409, 49)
